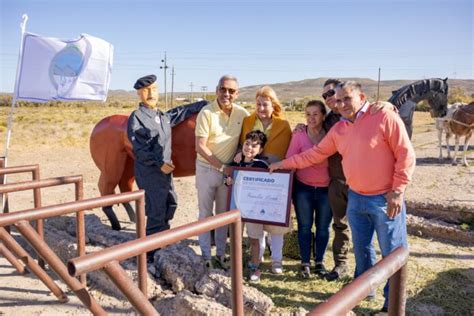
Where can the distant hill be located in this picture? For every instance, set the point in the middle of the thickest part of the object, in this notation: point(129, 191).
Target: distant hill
point(288, 91)
point(313, 87)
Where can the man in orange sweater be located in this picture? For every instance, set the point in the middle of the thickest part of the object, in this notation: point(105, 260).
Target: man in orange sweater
point(378, 161)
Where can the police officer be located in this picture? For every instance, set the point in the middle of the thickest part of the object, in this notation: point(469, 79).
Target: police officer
point(149, 131)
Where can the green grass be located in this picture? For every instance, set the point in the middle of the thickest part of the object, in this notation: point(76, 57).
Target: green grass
point(437, 281)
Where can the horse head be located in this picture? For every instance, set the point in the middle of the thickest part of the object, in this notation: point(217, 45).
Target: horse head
point(438, 102)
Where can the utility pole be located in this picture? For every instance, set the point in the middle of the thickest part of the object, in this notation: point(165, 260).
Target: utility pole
point(192, 96)
point(204, 91)
point(172, 86)
point(164, 67)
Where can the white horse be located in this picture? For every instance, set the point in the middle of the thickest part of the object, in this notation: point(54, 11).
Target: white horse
point(458, 121)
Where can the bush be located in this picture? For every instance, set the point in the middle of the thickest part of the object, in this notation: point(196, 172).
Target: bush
point(458, 95)
point(423, 106)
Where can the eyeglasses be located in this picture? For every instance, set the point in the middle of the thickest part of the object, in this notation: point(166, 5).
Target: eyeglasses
point(328, 94)
point(224, 90)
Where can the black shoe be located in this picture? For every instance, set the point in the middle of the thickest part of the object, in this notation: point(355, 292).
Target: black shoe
point(338, 272)
point(320, 270)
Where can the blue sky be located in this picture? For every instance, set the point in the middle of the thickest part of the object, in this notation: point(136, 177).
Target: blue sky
point(257, 41)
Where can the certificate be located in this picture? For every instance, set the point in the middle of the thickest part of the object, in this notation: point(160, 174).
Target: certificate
point(261, 197)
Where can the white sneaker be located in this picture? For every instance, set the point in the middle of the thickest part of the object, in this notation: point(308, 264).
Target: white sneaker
point(277, 268)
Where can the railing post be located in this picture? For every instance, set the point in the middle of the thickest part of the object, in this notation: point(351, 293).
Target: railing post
point(35, 176)
point(236, 267)
point(142, 268)
point(120, 278)
point(397, 292)
point(80, 227)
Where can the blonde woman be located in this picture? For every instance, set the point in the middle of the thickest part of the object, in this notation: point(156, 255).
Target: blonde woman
point(268, 117)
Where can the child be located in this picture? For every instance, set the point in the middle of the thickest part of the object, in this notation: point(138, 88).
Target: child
point(251, 150)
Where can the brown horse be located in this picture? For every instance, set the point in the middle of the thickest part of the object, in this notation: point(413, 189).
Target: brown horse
point(462, 124)
point(112, 154)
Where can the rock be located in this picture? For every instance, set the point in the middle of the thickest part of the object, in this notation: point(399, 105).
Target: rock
point(96, 232)
point(187, 303)
point(180, 266)
point(447, 211)
point(218, 285)
point(64, 245)
point(434, 228)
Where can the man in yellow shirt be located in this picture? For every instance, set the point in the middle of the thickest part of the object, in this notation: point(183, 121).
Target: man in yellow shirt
point(218, 128)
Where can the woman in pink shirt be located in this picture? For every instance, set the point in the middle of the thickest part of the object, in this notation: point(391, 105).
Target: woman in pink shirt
point(310, 192)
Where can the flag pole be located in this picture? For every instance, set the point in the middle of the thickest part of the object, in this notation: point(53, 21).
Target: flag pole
point(12, 111)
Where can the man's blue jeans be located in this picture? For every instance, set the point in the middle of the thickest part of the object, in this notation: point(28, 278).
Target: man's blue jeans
point(367, 214)
point(312, 206)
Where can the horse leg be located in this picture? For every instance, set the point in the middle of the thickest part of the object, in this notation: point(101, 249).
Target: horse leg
point(440, 135)
point(448, 147)
point(467, 138)
point(406, 114)
point(126, 185)
point(109, 178)
point(107, 187)
point(456, 145)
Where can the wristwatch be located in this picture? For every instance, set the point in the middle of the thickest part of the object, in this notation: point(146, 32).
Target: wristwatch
point(397, 193)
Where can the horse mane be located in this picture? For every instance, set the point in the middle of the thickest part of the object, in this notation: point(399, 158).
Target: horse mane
point(417, 90)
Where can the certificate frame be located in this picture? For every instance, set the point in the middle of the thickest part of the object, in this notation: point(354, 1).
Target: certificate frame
point(282, 206)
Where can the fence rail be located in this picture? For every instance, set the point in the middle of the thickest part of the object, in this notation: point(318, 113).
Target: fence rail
point(21, 221)
point(108, 258)
point(392, 266)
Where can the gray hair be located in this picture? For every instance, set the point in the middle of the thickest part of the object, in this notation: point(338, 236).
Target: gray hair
point(350, 85)
point(225, 78)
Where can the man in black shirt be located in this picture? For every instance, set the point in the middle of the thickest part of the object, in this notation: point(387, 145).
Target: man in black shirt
point(337, 190)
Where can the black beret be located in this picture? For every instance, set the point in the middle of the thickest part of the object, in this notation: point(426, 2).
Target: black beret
point(144, 82)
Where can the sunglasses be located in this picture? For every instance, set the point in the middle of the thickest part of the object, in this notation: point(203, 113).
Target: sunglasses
point(224, 90)
point(328, 94)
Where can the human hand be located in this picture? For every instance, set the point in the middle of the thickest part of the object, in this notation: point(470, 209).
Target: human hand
point(275, 166)
point(380, 105)
point(300, 127)
point(238, 157)
point(394, 203)
point(229, 181)
point(167, 168)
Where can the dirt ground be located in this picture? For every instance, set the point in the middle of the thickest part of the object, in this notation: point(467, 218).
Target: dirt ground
point(434, 182)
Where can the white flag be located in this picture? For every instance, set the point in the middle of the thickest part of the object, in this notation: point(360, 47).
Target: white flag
point(55, 69)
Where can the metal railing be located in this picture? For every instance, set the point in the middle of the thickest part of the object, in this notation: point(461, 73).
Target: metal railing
point(108, 259)
point(20, 221)
point(391, 267)
point(35, 175)
point(36, 186)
